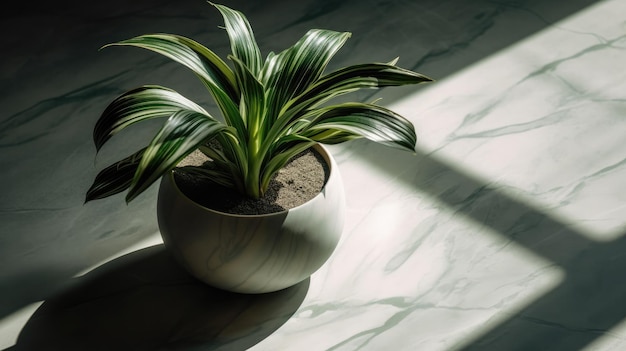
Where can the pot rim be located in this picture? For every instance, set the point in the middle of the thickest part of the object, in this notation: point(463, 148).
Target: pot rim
point(319, 147)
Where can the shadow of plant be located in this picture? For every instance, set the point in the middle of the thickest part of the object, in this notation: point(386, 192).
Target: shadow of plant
point(584, 307)
point(145, 301)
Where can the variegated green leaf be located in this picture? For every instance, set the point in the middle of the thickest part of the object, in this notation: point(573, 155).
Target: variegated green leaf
point(115, 178)
point(216, 176)
point(346, 80)
point(292, 71)
point(334, 136)
point(237, 155)
point(222, 152)
point(211, 69)
point(284, 150)
point(231, 113)
point(136, 105)
point(213, 153)
point(242, 42)
point(352, 78)
point(203, 62)
point(373, 122)
point(183, 132)
point(252, 107)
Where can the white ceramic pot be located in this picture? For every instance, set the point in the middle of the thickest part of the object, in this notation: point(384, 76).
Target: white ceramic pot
point(253, 253)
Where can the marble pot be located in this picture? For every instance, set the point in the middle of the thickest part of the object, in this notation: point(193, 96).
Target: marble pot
point(253, 253)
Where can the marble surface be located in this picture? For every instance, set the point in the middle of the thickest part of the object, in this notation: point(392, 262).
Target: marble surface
point(505, 231)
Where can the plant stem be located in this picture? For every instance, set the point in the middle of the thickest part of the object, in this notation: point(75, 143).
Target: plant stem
point(255, 160)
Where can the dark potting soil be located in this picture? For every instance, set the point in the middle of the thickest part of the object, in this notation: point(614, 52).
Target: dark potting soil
point(296, 183)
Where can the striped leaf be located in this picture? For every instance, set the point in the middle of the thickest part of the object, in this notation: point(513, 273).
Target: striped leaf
point(242, 42)
point(352, 78)
point(284, 150)
point(291, 72)
point(115, 178)
point(228, 157)
point(252, 106)
point(211, 69)
point(334, 136)
point(373, 122)
point(345, 80)
point(183, 132)
point(139, 104)
point(216, 176)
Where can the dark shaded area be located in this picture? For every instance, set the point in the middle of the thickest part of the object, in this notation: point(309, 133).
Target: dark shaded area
point(145, 301)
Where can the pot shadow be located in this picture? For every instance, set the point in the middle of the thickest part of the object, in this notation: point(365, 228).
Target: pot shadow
point(145, 301)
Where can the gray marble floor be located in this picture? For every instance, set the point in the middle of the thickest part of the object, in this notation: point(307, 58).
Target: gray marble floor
point(505, 231)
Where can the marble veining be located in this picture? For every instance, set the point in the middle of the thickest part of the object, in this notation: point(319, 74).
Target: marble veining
point(505, 230)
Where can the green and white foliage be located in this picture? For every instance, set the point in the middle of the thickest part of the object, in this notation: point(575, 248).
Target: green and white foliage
point(272, 109)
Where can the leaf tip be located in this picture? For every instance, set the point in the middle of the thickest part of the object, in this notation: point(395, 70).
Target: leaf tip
point(89, 196)
point(106, 46)
point(130, 197)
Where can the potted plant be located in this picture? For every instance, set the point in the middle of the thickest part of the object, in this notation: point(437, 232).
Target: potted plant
point(272, 110)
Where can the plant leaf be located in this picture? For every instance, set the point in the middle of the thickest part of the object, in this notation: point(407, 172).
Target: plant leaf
point(373, 122)
point(352, 78)
point(146, 102)
point(334, 136)
point(216, 176)
point(225, 162)
point(242, 42)
point(213, 153)
point(203, 62)
point(284, 150)
point(252, 107)
point(212, 70)
point(182, 133)
point(115, 178)
point(342, 81)
point(291, 72)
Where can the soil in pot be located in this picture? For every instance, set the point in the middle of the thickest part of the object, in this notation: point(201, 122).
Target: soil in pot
point(299, 181)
